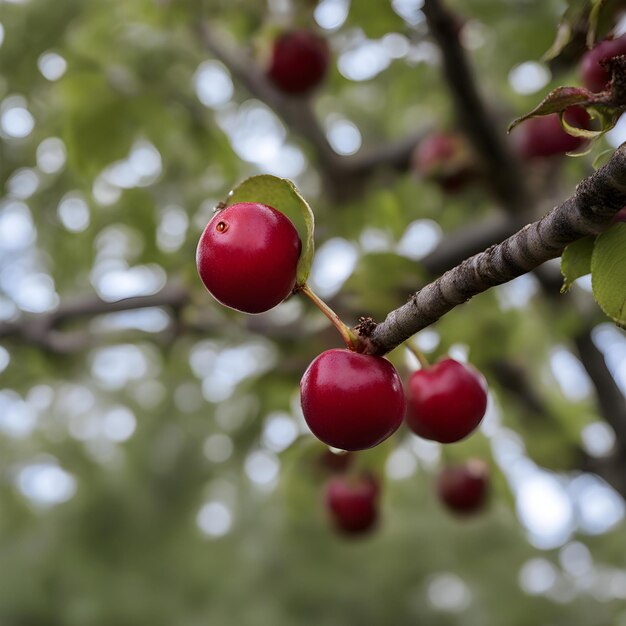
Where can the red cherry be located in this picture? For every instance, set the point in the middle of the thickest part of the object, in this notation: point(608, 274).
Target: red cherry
point(544, 136)
point(444, 158)
point(247, 257)
point(446, 402)
point(352, 502)
point(594, 76)
point(351, 401)
point(299, 61)
point(463, 488)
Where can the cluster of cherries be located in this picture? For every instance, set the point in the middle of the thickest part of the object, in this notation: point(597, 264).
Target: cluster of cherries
point(247, 258)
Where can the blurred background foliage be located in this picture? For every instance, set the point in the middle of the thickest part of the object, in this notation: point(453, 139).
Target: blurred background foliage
point(155, 468)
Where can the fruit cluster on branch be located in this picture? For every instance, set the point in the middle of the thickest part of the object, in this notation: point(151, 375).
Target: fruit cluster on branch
point(589, 211)
point(352, 399)
point(250, 258)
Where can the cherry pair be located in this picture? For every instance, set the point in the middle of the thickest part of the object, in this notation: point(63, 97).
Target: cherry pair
point(355, 401)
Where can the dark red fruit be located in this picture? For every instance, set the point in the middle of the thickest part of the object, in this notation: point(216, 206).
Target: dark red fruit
point(446, 402)
point(247, 257)
point(463, 488)
point(352, 401)
point(299, 61)
point(594, 76)
point(544, 136)
point(352, 502)
point(445, 159)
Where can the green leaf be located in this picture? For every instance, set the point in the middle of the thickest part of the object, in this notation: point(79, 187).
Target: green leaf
point(576, 261)
point(556, 101)
point(561, 98)
point(608, 116)
point(576, 131)
point(282, 195)
point(608, 272)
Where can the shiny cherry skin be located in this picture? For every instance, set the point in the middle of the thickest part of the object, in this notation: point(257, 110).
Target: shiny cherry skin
point(594, 76)
point(352, 503)
point(299, 61)
point(446, 402)
point(247, 257)
point(464, 488)
point(352, 401)
point(444, 159)
point(544, 137)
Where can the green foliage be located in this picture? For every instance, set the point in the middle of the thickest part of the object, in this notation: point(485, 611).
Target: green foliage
point(604, 258)
point(608, 278)
point(576, 260)
point(203, 384)
point(559, 99)
point(591, 18)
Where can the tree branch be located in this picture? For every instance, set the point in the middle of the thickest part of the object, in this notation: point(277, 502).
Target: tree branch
point(610, 399)
point(42, 330)
point(477, 122)
point(587, 212)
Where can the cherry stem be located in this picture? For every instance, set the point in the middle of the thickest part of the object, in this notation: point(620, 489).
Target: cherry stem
point(418, 354)
point(350, 338)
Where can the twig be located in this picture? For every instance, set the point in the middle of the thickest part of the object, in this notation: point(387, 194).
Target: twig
point(42, 330)
point(610, 399)
point(587, 212)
